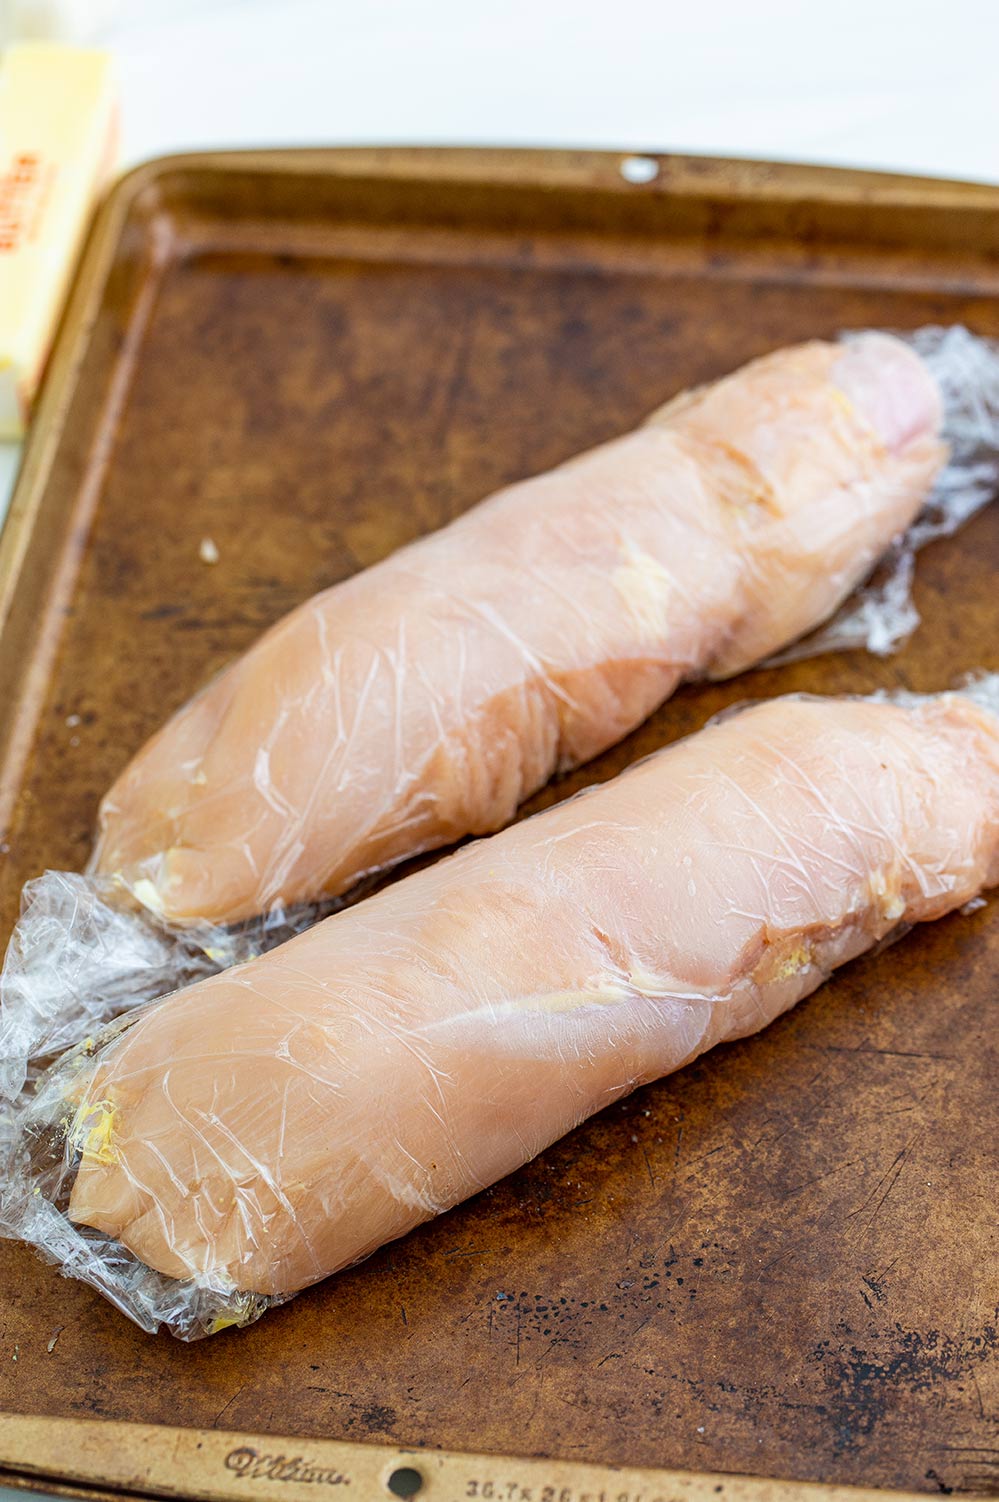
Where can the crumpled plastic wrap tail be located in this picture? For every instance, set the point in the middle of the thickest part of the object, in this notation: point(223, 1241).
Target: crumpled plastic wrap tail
point(217, 1151)
point(881, 615)
point(90, 947)
point(37, 1154)
point(84, 951)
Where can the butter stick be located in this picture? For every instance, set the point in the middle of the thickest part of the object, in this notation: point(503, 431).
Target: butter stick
point(58, 134)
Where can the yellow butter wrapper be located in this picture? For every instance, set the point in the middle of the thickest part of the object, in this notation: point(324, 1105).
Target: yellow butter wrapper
point(58, 139)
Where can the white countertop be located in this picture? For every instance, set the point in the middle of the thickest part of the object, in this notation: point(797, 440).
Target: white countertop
point(868, 85)
point(889, 84)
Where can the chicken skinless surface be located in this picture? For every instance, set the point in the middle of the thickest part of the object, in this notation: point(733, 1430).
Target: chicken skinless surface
point(427, 697)
point(282, 1120)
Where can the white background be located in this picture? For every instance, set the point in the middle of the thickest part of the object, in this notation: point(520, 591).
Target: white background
point(898, 84)
point(883, 83)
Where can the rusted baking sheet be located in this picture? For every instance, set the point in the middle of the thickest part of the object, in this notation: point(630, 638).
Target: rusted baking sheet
point(776, 1262)
point(143, 1460)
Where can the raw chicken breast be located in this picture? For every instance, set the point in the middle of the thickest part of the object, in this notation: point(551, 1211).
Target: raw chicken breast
point(424, 699)
point(283, 1119)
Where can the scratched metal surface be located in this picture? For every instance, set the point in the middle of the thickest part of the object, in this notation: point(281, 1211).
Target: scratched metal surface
point(778, 1261)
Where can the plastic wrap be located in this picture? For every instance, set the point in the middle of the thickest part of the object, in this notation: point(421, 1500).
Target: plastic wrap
point(881, 615)
point(223, 1148)
point(84, 951)
point(422, 700)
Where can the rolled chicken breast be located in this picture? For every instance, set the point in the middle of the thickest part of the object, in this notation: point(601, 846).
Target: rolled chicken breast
point(285, 1118)
point(425, 698)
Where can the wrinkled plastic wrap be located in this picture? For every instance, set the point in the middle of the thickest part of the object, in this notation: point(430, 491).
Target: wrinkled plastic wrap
point(424, 699)
point(227, 1146)
point(84, 951)
point(881, 615)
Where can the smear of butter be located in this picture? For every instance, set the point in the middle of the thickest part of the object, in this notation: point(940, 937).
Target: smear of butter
point(868, 433)
point(886, 897)
point(224, 1322)
point(647, 983)
point(92, 1129)
point(245, 1308)
point(645, 586)
point(841, 399)
point(599, 994)
point(145, 892)
point(782, 959)
point(793, 963)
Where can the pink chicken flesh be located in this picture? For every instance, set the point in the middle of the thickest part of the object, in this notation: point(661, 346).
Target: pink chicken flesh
point(282, 1120)
point(427, 697)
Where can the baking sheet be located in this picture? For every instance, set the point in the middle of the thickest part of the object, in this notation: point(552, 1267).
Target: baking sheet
point(777, 1261)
